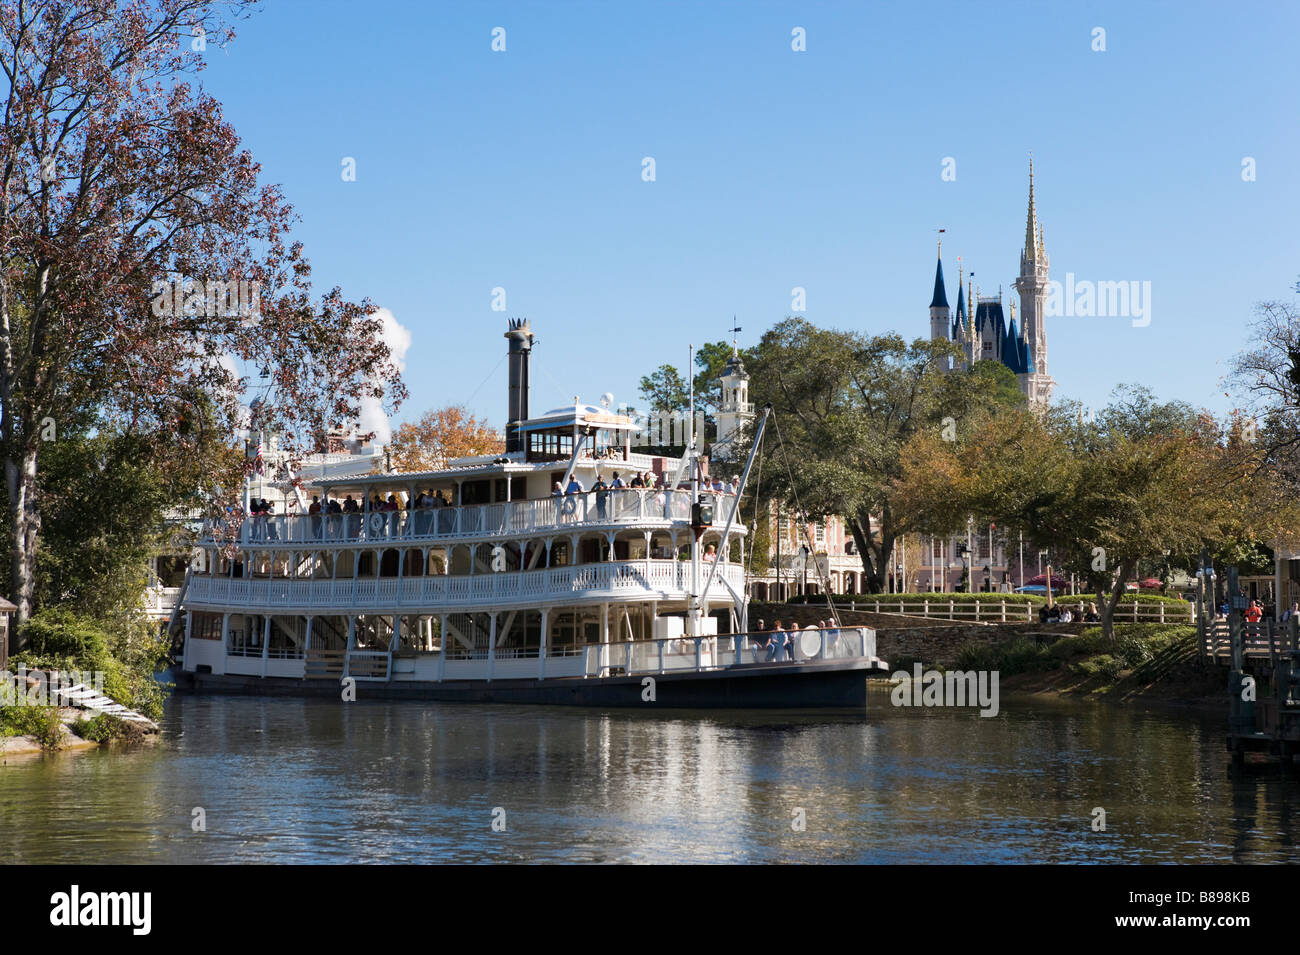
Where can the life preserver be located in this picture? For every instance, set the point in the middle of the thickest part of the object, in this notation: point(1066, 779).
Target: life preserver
point(377, 523)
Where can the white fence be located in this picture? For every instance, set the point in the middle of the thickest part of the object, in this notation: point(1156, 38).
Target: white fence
point(1000, 611)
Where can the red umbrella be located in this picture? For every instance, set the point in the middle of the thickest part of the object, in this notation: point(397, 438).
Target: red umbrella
point(1041, 579)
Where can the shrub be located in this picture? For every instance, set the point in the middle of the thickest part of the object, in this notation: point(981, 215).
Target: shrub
point(40, 722)
point(907, 662)
point(1020, 655)
point(101, 728)
point(1103, 665)
point(128, 651)
point(976, 656)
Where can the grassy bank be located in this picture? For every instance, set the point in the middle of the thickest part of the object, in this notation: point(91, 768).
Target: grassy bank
point(1145, 661)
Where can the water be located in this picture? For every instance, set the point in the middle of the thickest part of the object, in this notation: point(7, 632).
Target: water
point(316, 781)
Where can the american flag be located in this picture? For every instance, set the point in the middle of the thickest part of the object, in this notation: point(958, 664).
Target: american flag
point(257, 458)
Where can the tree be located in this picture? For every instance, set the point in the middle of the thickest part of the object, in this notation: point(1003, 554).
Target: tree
point(439, 436)
point(106, 494)
point(845, 404)
point(1141, 480)
point(665, 390)
point(1267, 375)
point(140, 256)
point(710, 361)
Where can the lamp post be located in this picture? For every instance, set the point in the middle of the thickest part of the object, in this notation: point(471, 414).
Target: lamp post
point(963, 554)
point(803, 566)
point(988, 579)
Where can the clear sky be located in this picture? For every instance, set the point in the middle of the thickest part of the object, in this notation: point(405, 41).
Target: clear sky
point(774, 169)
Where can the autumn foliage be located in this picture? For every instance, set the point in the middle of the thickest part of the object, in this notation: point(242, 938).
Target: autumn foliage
point(118, 177)
point(441, 435)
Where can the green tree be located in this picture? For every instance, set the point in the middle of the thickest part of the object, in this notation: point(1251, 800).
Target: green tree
point(664, 390)
point(845, 404)
point(1137, 481)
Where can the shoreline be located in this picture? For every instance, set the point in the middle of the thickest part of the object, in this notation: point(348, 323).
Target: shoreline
point(24, 745)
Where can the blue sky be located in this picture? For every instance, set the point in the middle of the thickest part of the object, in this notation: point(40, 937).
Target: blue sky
point(774, 169)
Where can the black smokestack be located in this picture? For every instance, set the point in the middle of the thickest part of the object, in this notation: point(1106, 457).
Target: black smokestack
point(521, 343)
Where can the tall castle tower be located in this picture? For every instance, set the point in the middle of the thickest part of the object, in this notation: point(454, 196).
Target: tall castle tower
point(1032, 286)
point(981, 328)
point(939, 316)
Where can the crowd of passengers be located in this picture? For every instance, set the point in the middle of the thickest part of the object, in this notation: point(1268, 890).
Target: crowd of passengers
point(344, 518)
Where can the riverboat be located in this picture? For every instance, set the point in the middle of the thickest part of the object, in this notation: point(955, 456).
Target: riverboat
point(477, 582)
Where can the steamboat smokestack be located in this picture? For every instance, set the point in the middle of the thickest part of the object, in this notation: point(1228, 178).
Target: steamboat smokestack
point(521, 343)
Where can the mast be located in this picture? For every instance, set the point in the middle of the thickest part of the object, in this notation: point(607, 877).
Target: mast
point(731, 518)
point(694, 610)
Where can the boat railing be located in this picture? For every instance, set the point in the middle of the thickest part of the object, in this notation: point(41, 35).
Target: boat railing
point(672, 654)
point(502, 519)
point(628, 578)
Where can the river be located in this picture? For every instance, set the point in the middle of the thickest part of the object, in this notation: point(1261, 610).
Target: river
point(283, 780)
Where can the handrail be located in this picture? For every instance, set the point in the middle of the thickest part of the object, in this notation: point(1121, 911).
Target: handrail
point(714, 652)
point(504, 519)
point(641, 578)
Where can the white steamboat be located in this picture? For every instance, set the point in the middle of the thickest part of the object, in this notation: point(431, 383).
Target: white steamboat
point(478, 583)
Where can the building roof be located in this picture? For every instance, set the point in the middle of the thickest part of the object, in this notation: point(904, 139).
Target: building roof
point(580, 414)
point(940, 297)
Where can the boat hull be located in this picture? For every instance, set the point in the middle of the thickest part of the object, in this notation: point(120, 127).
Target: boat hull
point(815, 684)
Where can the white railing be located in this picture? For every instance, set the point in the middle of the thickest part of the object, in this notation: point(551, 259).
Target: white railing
point(631, 579)
point(504, 519)
point(1003, 611)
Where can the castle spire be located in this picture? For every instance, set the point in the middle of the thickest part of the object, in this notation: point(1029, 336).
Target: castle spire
point(940, 297)
point(1031, 218)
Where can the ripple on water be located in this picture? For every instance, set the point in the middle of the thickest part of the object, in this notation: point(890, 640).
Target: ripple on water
point(315, 781)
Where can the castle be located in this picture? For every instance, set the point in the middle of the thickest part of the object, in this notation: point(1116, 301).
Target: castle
point(983, 331)
point(981, 559)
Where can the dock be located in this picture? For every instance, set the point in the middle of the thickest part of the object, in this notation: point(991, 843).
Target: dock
point(1263, 661)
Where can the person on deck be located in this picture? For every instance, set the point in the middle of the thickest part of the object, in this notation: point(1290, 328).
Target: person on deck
point(777, 651)
point(1254, 612)
point(602, 496)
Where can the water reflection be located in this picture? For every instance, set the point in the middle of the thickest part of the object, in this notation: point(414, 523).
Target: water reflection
point(316, 781)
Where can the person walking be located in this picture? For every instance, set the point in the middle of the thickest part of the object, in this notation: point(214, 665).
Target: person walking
point(1254, 612)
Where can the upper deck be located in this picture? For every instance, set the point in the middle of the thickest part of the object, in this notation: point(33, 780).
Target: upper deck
point(591, 511)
